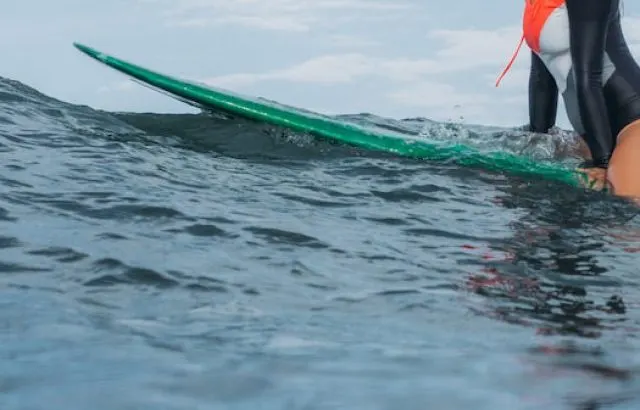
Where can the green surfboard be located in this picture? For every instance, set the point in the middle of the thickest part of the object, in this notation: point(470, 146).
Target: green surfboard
point(304, 121)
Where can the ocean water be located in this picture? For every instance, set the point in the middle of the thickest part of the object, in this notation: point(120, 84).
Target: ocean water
point(194, 262)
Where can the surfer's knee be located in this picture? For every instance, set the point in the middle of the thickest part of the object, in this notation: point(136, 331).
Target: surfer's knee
point(624, 167)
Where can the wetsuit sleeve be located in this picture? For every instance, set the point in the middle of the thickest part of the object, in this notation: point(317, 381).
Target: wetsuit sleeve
point(588, 21)
point(543, 96)
point(620, 54)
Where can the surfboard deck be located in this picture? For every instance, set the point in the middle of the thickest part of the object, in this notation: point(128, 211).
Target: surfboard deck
point(211, 98)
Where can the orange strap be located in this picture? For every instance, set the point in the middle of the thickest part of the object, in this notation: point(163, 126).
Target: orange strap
point(513, 59)
point(536, 13)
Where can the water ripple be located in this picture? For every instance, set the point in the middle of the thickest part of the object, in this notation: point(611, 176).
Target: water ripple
point(155, 256)
point(115, 272)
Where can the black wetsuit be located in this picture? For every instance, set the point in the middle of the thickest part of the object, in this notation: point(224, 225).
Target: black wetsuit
point(604, 110)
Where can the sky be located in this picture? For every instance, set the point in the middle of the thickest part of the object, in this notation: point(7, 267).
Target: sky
point(392, 58)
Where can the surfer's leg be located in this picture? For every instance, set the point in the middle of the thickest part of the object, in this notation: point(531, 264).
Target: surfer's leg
point(623, 105)
point(622, 96)
point(623, 174)
point(622, 93)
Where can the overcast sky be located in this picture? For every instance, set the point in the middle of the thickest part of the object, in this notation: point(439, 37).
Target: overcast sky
point(393, 58)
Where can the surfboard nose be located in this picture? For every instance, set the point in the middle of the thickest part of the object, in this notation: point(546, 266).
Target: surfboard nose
point(86, 49)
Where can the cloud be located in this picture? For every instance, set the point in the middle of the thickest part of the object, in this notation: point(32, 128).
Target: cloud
point(429, 94)
point(459, 50)
point(327, 69)
point(282, 15)
point(479, 47)
point(442, 101)
point(456, 51)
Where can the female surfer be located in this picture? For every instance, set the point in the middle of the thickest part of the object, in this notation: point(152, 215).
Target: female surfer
point(578, 50)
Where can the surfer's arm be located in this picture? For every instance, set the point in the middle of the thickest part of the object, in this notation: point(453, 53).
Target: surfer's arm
point(588, 28)
point(543, 96)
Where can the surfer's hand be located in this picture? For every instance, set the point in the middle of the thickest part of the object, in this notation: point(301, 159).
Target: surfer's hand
point(596, 177)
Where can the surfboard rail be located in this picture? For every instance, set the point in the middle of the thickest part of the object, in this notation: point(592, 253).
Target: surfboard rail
point(208, 97)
